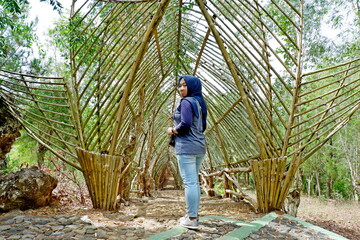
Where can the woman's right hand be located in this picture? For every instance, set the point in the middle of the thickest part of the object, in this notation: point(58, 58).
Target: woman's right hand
point(169, 131)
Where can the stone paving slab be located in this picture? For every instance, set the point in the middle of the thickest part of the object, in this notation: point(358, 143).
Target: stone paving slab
point(51, 227)
point(271, 226)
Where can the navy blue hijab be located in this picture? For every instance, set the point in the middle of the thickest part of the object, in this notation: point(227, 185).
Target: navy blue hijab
point(194, 89)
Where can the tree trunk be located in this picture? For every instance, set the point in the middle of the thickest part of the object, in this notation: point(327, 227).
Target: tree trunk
point(125, 180)
point(318, 187)
point(40, 153)
point(125, 183)
point(351, 153)
point(329, 187)
point(292, 200)
point(309, 180)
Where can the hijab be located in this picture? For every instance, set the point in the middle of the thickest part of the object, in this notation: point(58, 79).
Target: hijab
point(194, 90)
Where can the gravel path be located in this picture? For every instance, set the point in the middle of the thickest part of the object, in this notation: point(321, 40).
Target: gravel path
point(63, 227)
point(72, 227)
point(145, 218)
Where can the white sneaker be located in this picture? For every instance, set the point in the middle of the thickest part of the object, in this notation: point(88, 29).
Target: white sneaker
point(188, 223)
point(184, 217)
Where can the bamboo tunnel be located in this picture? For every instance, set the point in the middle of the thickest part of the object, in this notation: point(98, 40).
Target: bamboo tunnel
point(261, 107)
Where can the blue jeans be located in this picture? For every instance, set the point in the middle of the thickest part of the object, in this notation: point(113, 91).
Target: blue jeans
point(189, 166)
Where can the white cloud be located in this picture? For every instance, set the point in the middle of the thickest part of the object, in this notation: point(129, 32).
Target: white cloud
point(46, 15)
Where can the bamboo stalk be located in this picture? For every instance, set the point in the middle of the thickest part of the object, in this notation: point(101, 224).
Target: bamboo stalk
point(331, 83)
point(110, 61)
point(159, 52)
point(38, 139)
point(329, 68)
point(255, 171)
point(253, 37)
point(106, 20)
point(288, 17)
point(111, 180)
point(322, 134)
point(38, 101)
point(328, 101)
point(263, 184)
point(29, 87)
point(110, 50)
point(155, 21)
point(279, 181)
point(295, 163)
point(333, 121)
point(296, 92)
point(73, 13)
point(81, 60)
point(34, 76)
point(272, 185)
point(275, 22)
point(339, 126)
point(230, 64)
point(268, 192)
point(222, 146)
point(45, 133)
point(224, 115)
point(201, 51)
point(36, 117)
point(336, 90)
point(55, 129)
point(101, 183)
point(325, 118)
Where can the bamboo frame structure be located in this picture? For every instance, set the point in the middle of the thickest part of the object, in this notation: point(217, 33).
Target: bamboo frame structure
point(267, 115)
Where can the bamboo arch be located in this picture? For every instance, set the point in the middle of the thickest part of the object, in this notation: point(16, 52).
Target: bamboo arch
point(266, 115)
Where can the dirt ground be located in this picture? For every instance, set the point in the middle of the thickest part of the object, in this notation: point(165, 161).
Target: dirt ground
point(341, 217)
point(161, 212)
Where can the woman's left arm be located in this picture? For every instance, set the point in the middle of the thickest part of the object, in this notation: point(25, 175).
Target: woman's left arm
point(186, 115)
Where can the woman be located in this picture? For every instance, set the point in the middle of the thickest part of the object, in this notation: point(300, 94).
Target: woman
point(190, 120)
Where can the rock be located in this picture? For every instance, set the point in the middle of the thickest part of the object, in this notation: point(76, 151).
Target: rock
point(9, 129)
point(25, 189)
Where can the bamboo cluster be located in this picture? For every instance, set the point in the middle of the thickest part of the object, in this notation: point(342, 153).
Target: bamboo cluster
point(102, 174)
point(268, 175)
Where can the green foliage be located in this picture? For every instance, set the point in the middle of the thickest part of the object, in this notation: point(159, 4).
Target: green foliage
point(342, 187)
point(57, 6)
point(22, 154)
point(332, 163)
point(17, 34)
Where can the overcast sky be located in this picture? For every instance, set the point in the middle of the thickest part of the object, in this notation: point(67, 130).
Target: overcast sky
point(46, 14)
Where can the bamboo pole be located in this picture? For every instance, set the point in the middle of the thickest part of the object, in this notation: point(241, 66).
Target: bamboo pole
point(201, 51)
point(296, 92)
point(147, 36)
point(329, 68)
point(113, 46)
point(338, 127)
point(222, 145)
point(234, 74)
point(30, 87)
point(353, 73)
point(38, 139)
